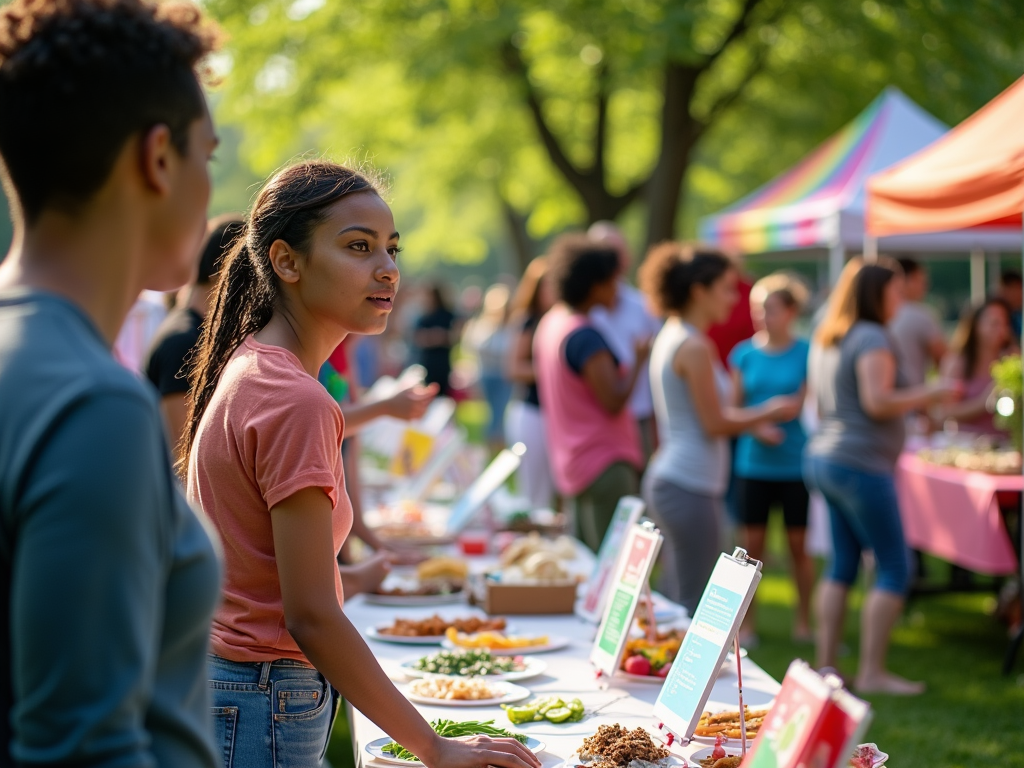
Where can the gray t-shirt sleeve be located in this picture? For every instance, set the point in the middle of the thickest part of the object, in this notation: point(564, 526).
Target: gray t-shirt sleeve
point(867, 337)
point(91, 560)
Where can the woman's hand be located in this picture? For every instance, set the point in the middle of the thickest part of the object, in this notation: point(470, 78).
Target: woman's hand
point(366, 576)
point(480, 752)
point(642, 350)
point(783, 408)
point(410, 404)
point(944, 390)
point(769, 434)
point(405, 555)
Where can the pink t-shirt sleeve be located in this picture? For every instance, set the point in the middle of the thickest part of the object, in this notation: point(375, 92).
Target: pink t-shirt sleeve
point(296, 445)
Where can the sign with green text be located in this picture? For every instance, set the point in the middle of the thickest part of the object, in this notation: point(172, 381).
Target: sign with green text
point(643, 542)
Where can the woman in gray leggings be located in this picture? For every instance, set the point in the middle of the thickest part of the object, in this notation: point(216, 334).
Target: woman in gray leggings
point(687, 478)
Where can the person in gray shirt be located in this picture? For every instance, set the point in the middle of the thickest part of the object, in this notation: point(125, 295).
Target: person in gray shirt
point(862, 399)
point(915, 329)
point(108, 580)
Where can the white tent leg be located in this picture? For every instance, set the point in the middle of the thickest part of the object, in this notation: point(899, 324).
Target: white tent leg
point(993, 272)
point(836, 260)
point(870, 249)
point(977, 277)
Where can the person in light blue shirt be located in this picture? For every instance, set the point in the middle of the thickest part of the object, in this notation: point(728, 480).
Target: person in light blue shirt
point(768, 463)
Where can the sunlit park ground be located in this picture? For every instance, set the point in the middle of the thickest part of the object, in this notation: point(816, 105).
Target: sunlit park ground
point(970, 716)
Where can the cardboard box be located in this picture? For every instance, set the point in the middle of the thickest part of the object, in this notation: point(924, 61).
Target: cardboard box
point(503, 599)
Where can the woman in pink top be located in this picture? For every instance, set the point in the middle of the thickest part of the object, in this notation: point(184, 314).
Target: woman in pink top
point(593, 440)
point(317, 261)
point(983, 336)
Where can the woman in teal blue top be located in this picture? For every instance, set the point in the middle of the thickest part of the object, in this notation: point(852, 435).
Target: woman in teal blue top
point(768, 460)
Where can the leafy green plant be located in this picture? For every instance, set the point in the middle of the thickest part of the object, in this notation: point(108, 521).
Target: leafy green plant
point(1008, 377)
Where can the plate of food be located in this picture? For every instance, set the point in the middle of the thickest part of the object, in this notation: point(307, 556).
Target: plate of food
point(727, 725)
point(474, 663)
point(464, 691)
point(868, 756)
point(388, 751)
point(649, 661)
point(501, 644)
point(550, 709)
point(438, 581)
point(719, 756)
point(613, 745)
point(430, 631)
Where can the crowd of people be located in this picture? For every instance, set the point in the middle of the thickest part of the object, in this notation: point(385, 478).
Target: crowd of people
point(175, 546)
point(749, 415)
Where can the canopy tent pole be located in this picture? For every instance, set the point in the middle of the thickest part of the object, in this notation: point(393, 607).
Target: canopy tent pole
point(977, 277)
point(993, 271)
point(836, 251)
point(870, 249)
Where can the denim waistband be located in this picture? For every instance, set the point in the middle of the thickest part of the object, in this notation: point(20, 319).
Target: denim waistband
point(261, 672)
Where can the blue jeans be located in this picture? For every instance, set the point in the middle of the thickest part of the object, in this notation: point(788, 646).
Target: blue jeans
point(271, 714)
point(864, 514)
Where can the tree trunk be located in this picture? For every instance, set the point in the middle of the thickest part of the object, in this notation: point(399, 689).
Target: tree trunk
point(678, 128)
point(524, 248)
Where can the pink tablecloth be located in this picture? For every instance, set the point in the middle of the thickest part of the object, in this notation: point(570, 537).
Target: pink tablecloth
point(952, 513)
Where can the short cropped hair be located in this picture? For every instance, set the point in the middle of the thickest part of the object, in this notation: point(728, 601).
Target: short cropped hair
point(223, 233)
point(79, 78)
point(577, 264)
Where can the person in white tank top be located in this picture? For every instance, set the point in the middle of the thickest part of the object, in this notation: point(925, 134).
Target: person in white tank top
point(686, 481)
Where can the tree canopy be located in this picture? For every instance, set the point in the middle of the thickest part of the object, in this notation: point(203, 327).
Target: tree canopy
point(502, 122)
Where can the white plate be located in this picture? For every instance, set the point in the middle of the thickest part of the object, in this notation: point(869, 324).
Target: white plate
point(414, 601)
point(555, 643)
point(729, 743)
point(672, 761)
point(374, 750)
point(510, 693)
point(534, 667)
point(648, 679)
point(702, 754)
point(374, 633)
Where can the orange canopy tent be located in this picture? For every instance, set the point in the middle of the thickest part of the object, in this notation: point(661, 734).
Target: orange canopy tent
point(973, 176)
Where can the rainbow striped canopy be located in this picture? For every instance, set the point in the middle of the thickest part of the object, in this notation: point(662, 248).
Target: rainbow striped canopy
point(820, 201)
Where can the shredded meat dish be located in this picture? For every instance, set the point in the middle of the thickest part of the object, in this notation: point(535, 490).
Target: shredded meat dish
point(615, 747)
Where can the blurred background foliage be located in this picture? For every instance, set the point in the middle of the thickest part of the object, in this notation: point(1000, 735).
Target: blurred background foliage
point(500, 123)
point(503, 123)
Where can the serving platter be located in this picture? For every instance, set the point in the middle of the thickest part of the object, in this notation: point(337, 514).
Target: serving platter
point(533, 668)
point(374, 749)
point(415, 601)
point(510, 693)
point(555, 643)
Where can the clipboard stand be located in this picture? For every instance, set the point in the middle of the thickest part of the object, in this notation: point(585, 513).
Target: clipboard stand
point(680, 703)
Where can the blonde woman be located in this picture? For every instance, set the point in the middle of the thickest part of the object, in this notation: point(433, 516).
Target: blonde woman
point(768, 459)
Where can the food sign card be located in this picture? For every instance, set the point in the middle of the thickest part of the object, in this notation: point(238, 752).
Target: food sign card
point(643, 542)
point(485, 486)
point(709, 637)
point(812, 723)
point(627, 515)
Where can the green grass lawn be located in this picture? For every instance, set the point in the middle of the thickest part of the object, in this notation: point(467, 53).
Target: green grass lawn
point(970, 716)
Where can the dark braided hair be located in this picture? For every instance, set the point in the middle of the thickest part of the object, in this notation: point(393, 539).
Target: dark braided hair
point(289, 207)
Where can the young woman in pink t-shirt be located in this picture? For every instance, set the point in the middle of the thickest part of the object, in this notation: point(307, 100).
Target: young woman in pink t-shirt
point(317, 261)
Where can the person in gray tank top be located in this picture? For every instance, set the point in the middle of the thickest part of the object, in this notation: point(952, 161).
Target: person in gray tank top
point(686, 481)
point(862, 400)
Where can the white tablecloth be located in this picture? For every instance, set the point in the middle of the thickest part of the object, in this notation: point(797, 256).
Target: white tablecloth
point(569, 674)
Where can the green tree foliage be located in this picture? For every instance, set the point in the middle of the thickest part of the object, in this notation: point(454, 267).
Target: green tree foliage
point(514, 119)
